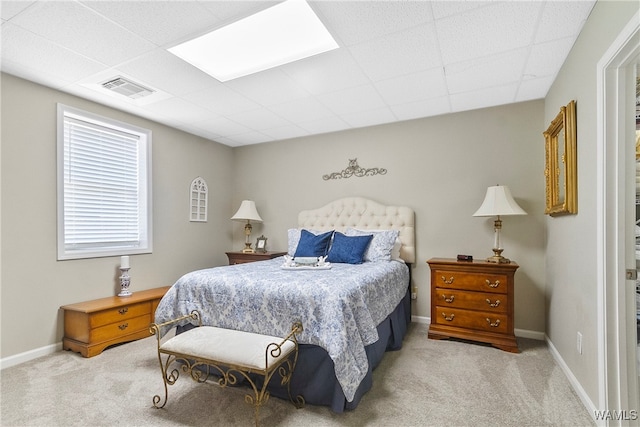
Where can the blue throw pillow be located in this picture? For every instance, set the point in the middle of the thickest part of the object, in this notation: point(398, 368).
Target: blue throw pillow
point(313, 245)
point(348, 249)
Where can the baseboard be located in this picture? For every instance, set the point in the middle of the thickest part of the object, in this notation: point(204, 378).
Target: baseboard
point(17, 359)
point(420, 319)
point(577, 387)
point(524, 333)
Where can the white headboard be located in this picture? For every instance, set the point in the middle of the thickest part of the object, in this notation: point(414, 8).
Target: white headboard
point(365, 214)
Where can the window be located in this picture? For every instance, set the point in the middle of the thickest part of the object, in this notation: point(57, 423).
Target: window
point(104, 186)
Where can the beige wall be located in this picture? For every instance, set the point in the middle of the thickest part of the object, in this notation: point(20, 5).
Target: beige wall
point(571, 244)
point(440, 167)
point(33, 284)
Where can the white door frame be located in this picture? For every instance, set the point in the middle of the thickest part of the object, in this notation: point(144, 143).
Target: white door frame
point(617, 374)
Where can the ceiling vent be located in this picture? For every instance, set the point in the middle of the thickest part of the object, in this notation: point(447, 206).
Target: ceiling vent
point(127, 88)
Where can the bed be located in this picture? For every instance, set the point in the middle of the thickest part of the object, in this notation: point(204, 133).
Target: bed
point(352, 312)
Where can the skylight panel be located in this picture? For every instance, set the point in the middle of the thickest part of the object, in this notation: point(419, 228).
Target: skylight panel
point(281, 34)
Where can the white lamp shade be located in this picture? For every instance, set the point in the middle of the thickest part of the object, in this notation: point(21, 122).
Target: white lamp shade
point(247, 211)
point(498, 201)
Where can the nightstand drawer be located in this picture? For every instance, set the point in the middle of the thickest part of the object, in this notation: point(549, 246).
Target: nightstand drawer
point(121, 328)
point(472, 300)
point(496, 283)
point(120, 313)
point(483, 321)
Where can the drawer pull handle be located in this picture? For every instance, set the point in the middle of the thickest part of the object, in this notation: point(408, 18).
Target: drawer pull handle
point(449, 300)
point(126, 325)
point(123, 310)
point(493, 325)
point(493, 285)
point(495, 304)
point(448, 319)
point(448, 282)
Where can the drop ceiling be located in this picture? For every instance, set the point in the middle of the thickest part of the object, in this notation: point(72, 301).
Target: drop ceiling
point(396, 61)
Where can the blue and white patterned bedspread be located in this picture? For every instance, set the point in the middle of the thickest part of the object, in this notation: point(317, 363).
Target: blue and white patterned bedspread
point(339, 308)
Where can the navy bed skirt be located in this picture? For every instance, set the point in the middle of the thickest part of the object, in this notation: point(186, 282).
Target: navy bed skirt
point(314, 376)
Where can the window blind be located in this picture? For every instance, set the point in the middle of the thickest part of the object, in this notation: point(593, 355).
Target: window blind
point(101, 187)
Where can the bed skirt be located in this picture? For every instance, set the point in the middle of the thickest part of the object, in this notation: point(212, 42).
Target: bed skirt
point(314, 377)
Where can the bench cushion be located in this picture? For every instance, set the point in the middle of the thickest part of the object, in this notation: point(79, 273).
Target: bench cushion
point(227, 346)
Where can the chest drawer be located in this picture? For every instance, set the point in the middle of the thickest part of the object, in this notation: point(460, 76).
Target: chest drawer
point(119, 314)
point(121, 328)
point(482, 282)
point(479, 320)
point(495, 303)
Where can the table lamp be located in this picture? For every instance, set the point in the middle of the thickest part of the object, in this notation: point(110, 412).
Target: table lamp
point(498, 202)
point(247, 212)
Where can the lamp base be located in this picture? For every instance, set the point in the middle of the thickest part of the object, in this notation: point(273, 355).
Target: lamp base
point(498, 258)
point(248, 249)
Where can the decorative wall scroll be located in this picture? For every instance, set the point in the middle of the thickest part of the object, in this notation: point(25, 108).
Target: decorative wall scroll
point(561, 163)
point(198, 192)
point(354, 170)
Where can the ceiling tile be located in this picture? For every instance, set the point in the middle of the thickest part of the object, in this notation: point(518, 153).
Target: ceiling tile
point(259, 119)
point(442, 9)
point(490, 97)
point(268, 87)
point(545, 59)
point(486, 72)
point(327, 72)
point(324, 125)
point(562, 19)
point(304, 109)
point(399, 54)
point(534, 88)
point(350, 23)
point(369, 117)
point(221, 100)
point(23, 47)
point(162, 22)
point(360, 98)
point(428, 108)
point(77, 28)
point(285, 132)
point(488, 30)
point(10, 9)
point(181, 110)
point(414, 87)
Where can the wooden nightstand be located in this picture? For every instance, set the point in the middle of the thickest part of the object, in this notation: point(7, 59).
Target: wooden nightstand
point(473, 301)
point(92, 326)
point(241, 258)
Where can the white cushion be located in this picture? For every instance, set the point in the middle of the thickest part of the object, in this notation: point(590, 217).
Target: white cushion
point(227, 346)
point(382, 245)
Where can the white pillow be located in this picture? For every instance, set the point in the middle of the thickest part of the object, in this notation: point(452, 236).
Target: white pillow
point(382, 245)
point(293, 238)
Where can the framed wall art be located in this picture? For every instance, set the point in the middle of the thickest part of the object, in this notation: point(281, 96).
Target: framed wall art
point(561, 163)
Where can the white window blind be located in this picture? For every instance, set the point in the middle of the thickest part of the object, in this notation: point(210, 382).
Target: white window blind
point(104, 207)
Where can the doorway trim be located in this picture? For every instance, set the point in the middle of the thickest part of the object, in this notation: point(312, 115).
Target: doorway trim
point(616, 392)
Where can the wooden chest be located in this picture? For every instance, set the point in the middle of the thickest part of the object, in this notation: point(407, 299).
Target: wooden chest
point(92, 326)
point(473, 301)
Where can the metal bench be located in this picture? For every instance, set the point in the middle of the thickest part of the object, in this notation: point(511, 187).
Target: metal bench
point(230, 355)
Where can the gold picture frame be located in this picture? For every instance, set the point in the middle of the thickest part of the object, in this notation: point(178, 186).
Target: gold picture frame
point(561, 163)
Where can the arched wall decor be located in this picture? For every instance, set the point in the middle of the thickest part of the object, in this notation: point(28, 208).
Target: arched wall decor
point(354, 170)
point(198, 196)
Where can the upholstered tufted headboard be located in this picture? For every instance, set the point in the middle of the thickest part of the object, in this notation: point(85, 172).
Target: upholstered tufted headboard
point(365, 214)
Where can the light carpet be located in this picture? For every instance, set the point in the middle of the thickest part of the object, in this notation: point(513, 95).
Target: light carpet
point(426, 383)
